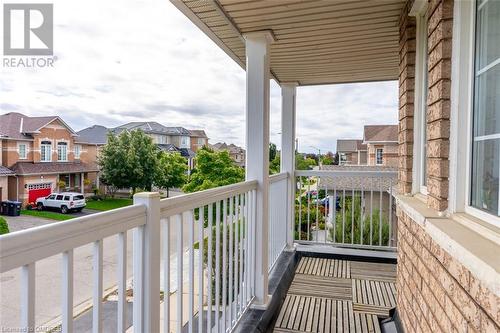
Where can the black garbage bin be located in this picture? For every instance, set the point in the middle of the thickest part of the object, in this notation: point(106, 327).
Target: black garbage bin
point(4, 208)
point(14, 208)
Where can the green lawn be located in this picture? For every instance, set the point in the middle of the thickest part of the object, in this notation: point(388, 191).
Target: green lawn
point(108, 204)
point(47, 214)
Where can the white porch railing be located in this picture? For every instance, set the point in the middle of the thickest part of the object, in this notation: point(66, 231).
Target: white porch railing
point(220, 282)
point(278, 206)
point(346, 208)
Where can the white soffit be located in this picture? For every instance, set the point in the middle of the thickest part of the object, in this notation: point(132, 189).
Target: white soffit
point(317, 41)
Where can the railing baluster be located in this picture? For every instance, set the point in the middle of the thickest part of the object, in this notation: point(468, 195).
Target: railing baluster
point(389, 242)
point(371, 211)
point(67, 292)
point(300, 209)
point(122, 282)
point(352, 212)
point(97, 287)
point(166, 277)
point(361, 213)
point(230, 259)
point(343, 216)
point(191, 271)
point(248, 256)
point(308, 208)
point(317, 209)
point(217, 266)
point(236, 257)
point(209, 274)
point(28, 297)
point(243, 221)
point(180, 253)
point(224, 266)
point(380, 214)
point(201, 246)
point(334, 212)
point(326, 202)
point(252, 242)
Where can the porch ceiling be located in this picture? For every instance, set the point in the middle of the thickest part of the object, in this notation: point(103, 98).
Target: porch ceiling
point(317, 41)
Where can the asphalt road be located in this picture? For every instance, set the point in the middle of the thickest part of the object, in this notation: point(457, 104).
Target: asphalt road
point(48, 276)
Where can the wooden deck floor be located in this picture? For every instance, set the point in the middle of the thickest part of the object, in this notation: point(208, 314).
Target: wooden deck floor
point(331, 295)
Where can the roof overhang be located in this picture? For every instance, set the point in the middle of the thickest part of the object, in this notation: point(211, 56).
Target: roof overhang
point(317, 41)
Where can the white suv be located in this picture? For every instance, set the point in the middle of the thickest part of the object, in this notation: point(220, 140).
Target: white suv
point(66, 202)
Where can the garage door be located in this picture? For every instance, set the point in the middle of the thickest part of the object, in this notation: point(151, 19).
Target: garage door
point(36, 191)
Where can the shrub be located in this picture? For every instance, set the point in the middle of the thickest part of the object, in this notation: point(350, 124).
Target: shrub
point(4, 227)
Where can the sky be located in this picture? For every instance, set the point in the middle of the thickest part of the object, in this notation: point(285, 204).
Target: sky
point(134, 60)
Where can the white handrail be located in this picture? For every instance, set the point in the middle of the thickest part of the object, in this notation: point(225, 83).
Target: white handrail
point(182, 203)
point(277, 177)
point(30, 245)
point(342, 173)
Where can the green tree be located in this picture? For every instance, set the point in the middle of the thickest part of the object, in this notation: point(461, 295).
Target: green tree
point(272, 151)
point(129, 160)
point(302, 163)
point(213, 169)
point(4, 227)
point(275, 165)
point(328, 158)
point(171, 171)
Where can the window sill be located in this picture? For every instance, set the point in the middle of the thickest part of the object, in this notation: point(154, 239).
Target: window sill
point(471, 241)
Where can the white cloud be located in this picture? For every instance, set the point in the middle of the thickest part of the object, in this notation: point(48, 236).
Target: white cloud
point(129, 60)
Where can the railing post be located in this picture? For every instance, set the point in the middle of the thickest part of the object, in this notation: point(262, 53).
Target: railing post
point(288, 96)
point(147, 266)
point(257, 159)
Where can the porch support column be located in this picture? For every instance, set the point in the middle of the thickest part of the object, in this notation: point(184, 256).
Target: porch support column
point(257, 159)
point(82, 183)
point(288, 116)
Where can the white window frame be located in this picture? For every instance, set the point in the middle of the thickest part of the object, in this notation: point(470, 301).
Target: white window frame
point(77, 151)
point(62, 144)
point(381, 156)
point(43, 148)
point(462, 90)
point(25, 156)
point(421, 88)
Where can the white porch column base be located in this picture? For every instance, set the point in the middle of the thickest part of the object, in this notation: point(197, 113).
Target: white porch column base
point(257, 141)
point(288, 116)
point(258, 306)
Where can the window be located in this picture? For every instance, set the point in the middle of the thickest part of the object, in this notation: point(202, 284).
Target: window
point(66, 198)
point(78, 150)
point(62, 151)
point(52, 197)
point(379, 153)
point(201, 141)
point(46, 151)
point(485, 169)
point(21, 149)
point(59, 197)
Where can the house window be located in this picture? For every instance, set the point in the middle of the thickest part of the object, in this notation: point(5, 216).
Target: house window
point(78, 150)
point(486, 109)
point(46, 151)
point(21, 149)
point(201, 141)
point(62, 151)
point(184, 141)
point(379, 160)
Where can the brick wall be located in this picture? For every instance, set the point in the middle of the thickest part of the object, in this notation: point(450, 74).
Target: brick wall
point(440, 21)
point(435, 292)
point(407, 44)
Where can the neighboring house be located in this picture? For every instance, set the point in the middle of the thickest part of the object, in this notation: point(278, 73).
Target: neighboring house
point(4, 182)
point(351, 152)
point(382, 144)
point(45, 155)
point(236, 153)
point(199, 139)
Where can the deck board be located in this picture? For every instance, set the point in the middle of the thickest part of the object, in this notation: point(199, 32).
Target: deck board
point(332, 295)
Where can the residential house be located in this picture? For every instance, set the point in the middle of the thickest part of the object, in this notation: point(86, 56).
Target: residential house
point(199, 139)
point(382, 144)
point(237, 153)
point(44, 155)
point(4, 182)
point(351, 152)
point(438, 271)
